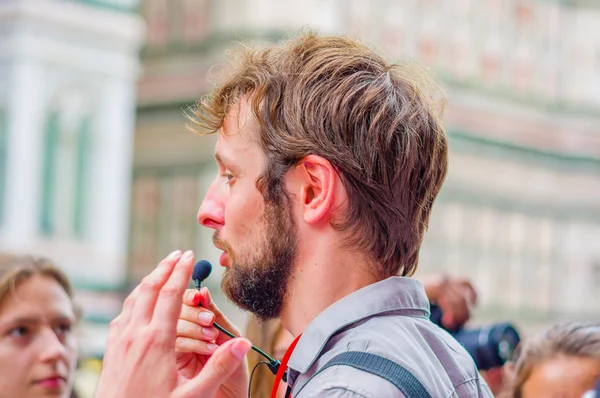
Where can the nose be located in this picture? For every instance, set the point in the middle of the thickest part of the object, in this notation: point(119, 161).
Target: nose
point(212, 209)
point(52, 349)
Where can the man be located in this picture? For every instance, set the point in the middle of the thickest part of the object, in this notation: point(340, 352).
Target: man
point(329, 161)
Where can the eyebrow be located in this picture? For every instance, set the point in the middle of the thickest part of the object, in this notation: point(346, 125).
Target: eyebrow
point(224, 160)
point(38, 319)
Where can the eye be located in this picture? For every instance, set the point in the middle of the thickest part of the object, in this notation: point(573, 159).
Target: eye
point(228, 177)
point(19, 331)
point(63, 328)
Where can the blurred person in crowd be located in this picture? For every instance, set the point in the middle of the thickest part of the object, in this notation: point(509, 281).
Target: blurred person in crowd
point(272, 337)
point(455, 296)
point(498, 378)
point(562, 361)
point(329, 161)
point(38, 346)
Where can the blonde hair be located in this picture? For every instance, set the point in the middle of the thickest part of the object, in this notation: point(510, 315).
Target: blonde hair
point(15, 269)
point(572, 339)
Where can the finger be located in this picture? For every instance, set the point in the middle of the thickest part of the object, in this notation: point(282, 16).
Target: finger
point(451, 310)
point(191, 297)
point(185, 344)
point(114, 331)
point(470, 291)
point(150, 286)
point(195, 331)
point(459, 307)
point(220, 318)
point(170, 297)
point(221, 365)
point(199, 315)
point(448, 321)
point(127, 310)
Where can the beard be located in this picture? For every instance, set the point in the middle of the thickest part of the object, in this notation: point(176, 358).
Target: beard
point(258, 281)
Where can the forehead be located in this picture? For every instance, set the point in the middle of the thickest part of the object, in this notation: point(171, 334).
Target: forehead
point(563, 374)
point(240, 130)
point(38, 295)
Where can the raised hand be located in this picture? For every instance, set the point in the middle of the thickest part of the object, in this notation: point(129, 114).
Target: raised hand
point(140, 358)
point(455, 296)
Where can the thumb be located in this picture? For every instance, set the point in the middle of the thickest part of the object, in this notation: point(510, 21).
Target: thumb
point(220, 366)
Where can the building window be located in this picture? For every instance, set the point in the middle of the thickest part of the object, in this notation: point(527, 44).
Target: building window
point(81, 187)
point(3, 155)
point(65, 169)
point(48, 173)
point(156, 13)
point(195, 20)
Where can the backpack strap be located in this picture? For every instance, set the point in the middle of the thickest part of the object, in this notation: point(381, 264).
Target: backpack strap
point(396, 374)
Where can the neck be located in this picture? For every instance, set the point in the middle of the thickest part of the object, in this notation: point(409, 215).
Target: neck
point(321, 277)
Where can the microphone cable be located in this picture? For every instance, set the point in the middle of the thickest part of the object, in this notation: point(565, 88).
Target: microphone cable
point(202, 270)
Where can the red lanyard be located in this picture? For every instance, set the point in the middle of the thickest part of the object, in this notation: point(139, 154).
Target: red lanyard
point(283, 366)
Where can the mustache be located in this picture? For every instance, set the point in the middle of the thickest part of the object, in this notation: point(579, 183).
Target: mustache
point(222, 244)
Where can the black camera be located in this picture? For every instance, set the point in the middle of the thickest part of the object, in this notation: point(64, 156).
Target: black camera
point(489, 346)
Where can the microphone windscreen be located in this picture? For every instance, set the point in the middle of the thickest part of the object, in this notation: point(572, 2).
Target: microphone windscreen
point(202, 270)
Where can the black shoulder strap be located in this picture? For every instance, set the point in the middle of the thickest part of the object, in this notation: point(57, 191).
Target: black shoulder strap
point(396, 374)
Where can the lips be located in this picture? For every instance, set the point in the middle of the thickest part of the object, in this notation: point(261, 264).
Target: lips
point(52, 382)
point(223, 260)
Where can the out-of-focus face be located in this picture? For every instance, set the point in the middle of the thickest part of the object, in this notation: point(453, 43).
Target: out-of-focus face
point(562, 377)
point(38, 350)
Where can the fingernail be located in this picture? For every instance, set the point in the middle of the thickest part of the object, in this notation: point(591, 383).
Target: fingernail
point(175, 254)
point(188, 255)
point(240, 348)
point(210, 333)
point(206, 318)
point(212, 347)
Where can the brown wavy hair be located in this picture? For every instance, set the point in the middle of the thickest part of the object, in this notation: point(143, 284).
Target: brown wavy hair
point(377, 123)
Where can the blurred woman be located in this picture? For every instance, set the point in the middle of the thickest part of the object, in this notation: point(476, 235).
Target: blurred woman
point(563, 361)
point(38, 349)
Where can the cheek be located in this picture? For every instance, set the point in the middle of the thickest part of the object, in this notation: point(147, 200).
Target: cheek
point(14, 367)
point(243, 214)
point(71, 347)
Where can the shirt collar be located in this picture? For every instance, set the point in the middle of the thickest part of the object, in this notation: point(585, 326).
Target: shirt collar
point(392, 294)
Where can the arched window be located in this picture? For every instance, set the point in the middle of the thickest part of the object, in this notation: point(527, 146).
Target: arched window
point(65, 173)
point(48, 173)
point(82, 169)
point(3, 155)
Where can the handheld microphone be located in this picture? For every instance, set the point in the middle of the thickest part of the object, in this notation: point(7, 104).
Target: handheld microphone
point(202, 270)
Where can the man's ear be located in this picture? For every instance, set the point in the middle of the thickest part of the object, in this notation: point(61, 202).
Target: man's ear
point(317, 188)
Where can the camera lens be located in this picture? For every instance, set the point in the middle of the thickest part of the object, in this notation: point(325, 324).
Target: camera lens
point(490, 346)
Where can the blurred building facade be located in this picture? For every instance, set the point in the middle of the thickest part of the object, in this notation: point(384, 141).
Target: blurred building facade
point(520, 210)
point(68, 72)
point(98, 171)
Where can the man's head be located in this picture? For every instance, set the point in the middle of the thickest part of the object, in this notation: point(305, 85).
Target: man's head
point(319, 135)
